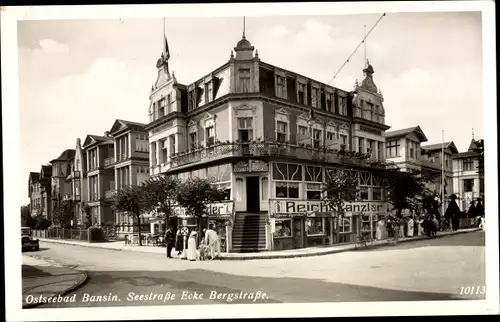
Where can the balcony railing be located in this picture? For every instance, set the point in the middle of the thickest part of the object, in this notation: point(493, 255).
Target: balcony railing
point(109, 161)
point(431, 164)
point(260, 149)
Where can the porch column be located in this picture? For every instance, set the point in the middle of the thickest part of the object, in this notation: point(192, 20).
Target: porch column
point(375, 150)
point(331, 230)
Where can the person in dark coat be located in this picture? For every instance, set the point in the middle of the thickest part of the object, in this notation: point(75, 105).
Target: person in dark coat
point(480, 207)
point(179, 242)
point(169, 241)
point(453, 213)
point(471, 213)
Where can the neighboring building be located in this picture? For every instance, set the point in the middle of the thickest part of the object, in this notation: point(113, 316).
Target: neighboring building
point(77, 178)
point(46, 190)
point(99, 150)
point(61, 188)
point(130, 162)
point(404, 148)
point(34, 193)
point(268, 136)
point(468, 179)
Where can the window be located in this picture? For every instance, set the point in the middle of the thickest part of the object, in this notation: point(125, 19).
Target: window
point(172, 144)
point(313, 191)
point(316, 139)
point(301, 93)
point(244, 80)
point(345, 225)
point(209, 92)
point(164, 150)
point(329, 102)
point(315, 97)
point(377, 194)
point(468, 185)
point(368, 111)
point(281, 131)
point(330, 136)
point(281, 87)
point(363, 193)
point(314, 226)
point(191, 100)
point(169, 104)
point(153, 154)
point(369, 146)
point(245, 129)
point(343, 139)
point(468, 164)
point(283, 228)
point(302, 130)
point(210, 136)
point(313, 174)
point(192, 140)
point(361, 142)
point(285, 175)
point(161, 108)
point(141, 143)
point(342, 105)
point(392, 149)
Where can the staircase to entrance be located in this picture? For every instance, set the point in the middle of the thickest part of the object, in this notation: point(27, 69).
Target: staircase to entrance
point(249, 233)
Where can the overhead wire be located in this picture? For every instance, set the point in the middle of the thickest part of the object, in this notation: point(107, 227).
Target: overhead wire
point(357, 47)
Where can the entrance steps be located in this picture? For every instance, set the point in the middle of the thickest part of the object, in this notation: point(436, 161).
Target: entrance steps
point(249, 233)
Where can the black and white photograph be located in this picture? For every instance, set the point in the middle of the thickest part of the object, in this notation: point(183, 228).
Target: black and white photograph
point(250, 160)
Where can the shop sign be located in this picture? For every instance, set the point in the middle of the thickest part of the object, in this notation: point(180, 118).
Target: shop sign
point(251, 166)
point(217, 210)
point(290, 208)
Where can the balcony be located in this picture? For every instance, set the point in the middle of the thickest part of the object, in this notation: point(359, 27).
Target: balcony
point(109, 161)
point(263, 149)
point(430, 164)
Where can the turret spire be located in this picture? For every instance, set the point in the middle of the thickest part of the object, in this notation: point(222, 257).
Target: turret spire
point(243, 28)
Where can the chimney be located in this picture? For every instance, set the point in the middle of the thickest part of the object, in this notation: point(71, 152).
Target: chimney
point(106, 133)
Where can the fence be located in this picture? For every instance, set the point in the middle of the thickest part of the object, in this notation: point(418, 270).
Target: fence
point(62, 233)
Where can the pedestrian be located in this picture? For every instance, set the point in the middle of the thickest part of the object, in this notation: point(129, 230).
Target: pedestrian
point(212, 241)
point(434, 225)
point(471, 213)
point(192, 252)
point(481, 223)
point(179, 242)
point(411, 224)
point(169, 241)
point(453, 213)
point(380, 229)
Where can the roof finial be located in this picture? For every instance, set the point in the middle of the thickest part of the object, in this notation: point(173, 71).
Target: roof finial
point(243, 27)
point(473, 133)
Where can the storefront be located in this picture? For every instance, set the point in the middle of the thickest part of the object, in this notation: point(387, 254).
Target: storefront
point(308, 223)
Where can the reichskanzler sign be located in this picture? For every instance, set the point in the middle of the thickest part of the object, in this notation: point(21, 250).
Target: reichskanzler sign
point(281, 207)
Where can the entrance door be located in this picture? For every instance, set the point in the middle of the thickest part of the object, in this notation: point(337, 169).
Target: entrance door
point(253, 195)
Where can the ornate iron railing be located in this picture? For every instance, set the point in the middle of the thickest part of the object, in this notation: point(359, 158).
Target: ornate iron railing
point(260, 149)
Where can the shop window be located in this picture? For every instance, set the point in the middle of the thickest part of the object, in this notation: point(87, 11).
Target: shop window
point(314, 226)
point(345, 225)
point(287, 189)
point(283, 228)
point(289, 172)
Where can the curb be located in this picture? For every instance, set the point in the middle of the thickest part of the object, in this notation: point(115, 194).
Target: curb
point(277, 256)
point(78, 284)
point(336, 251)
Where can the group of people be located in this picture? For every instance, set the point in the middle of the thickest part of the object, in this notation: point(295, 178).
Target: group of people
point(210, 243)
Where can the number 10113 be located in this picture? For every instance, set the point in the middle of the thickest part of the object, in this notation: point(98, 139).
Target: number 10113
point(472, 290)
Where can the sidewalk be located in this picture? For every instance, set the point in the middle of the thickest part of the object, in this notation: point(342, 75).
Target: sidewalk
point(42, 279)
point(302, 252)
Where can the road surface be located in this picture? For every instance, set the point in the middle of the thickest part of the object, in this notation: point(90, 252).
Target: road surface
point(433, 269)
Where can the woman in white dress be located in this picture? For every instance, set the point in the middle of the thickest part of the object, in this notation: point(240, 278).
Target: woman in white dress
point(411, 225)
point(380, 229)
point(191, 249)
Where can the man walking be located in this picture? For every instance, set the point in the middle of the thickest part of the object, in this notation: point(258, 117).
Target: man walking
point(169, 241)
point(212, 240)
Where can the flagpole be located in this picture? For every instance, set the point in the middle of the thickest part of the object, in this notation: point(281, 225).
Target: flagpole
point(164, 37)
point(442, 172)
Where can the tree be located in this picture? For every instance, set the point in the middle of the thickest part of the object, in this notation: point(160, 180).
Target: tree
point(406, 189)
point(41, 222)
point(130, 200)
point(161, 194)
point(195, 195)
point(26, 219)
point(87, 210)
point(340, 186)
point(63, 211)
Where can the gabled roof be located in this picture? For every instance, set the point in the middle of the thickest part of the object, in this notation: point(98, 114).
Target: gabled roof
point(438, 146)
point(403, 132)
point(46, 171)
point(34, 176)
point(95, 139)
point(476, 144)
point(121, 125)
point(467, 154)
point(67, 155)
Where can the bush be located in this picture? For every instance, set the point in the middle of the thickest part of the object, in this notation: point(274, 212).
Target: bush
point(96, 235)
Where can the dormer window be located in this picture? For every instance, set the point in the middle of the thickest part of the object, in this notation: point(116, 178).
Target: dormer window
point(281, 87)
point(209, 92)
point(161, 108)
point(329, 102)
point(244, 77)
point(301, 93)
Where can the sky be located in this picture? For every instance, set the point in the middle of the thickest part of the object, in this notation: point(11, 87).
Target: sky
point(78, 76)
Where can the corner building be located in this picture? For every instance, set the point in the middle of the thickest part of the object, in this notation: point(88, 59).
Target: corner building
point(268, 136)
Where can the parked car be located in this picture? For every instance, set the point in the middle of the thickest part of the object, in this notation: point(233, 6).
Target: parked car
point(28, 241)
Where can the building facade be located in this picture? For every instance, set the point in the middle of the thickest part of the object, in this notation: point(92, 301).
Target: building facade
point(77, 179)
point(468, 176)
point(130, 162)
point(34, 193)
point(268, 136)
point(61, 188)
point(100, 177)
